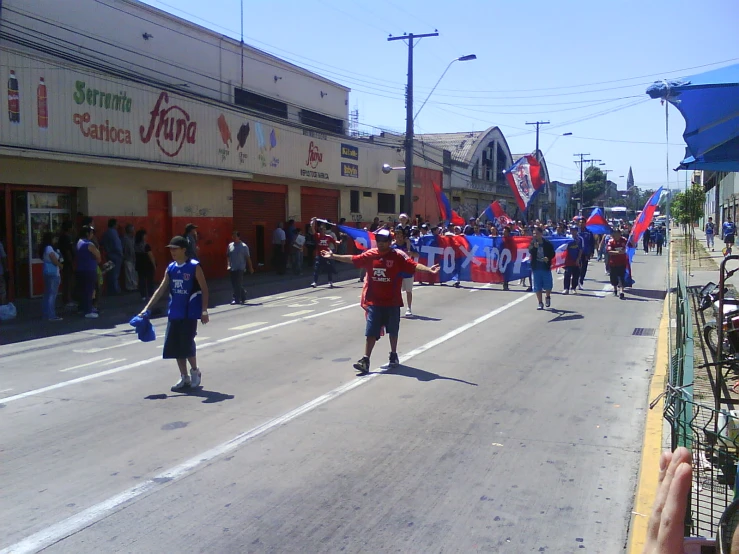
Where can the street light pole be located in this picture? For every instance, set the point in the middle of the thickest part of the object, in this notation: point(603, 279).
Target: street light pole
point(408, 207)
point(467, 58)
point(582, 184)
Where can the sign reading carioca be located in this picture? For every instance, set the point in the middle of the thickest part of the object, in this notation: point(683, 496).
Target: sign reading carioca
point(171, 126)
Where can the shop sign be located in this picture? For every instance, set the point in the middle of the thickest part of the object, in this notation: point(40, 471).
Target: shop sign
point(315, 156)
point(104, 132)
point(349, 170)
point(349, 152)
point(170, 125)
point(117, 101)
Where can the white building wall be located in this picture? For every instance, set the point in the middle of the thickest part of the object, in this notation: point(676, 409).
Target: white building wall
point(177, 52)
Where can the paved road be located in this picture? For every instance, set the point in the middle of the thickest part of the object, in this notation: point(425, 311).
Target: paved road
point(506, 429)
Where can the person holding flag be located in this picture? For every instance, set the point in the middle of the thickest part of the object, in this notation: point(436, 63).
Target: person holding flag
point(617, 262)
point(381, 296)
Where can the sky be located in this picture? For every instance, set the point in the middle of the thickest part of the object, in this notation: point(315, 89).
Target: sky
point(583, 66)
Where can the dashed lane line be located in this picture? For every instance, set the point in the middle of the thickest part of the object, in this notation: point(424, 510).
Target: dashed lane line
point(96, 350)
point(67, 527)
point(86, 365)
point(248, 325)
point(298, 313)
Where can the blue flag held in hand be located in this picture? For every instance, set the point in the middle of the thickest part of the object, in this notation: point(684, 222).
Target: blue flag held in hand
point(144, 328)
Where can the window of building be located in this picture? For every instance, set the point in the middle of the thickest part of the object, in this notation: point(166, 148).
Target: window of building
point(260, 103)
point(503, 164)
point(401, 207)
point(367, 194)
point(385, 203)
point(354, 201)
point(320, 121)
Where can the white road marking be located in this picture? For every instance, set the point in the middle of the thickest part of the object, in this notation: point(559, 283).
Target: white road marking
point(487, 286)
point(248, 326)
point(157, 358)
point(5, 390)
point(96, 350)
point(115, 361)
point(85, 365)
point(298, 313)
point(329, 297)
point(85, 518)
point(199, 338)
point(337, 304)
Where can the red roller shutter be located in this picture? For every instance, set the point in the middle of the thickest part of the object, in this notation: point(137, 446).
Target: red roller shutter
point(322, 203)
point(256, 214)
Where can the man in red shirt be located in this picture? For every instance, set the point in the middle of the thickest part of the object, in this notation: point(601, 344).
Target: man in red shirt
point(381, 297)
point(617, 261)
point(324, 243)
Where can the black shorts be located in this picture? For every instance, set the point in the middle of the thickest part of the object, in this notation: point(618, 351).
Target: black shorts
point(179, 340)
point(729, 239)
point(617, 273)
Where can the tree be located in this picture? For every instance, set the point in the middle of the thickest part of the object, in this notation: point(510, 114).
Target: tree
point(687, 209)
point(594, 186)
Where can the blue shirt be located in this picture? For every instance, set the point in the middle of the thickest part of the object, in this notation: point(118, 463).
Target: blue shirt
point(112, 242)
point(85, 260)
point(729, 228)
point(587, 240)
point(185, 296)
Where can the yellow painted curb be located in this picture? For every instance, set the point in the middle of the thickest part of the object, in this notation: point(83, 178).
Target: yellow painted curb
point(646, 488)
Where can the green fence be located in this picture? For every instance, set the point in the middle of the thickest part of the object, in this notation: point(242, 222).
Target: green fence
point(681, 367)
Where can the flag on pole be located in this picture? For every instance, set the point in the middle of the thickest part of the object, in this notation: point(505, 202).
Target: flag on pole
point(640, 225)
point(525, 178)
point(447, 214)
point(495, 212)
point(363, 240)
point(597, 224)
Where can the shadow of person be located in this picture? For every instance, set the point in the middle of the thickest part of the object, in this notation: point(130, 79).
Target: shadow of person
point(421, 375)
point(423, 318)
point(211, 397)
point(565, 315)
point(649, 293)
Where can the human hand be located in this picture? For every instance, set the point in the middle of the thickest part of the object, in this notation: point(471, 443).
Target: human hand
point(435, 269)
point(204, 317)
point(666, 524)
point(545, 259)
point(327, 254)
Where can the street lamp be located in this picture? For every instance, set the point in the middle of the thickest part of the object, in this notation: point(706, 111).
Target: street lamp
point(387, 168)
point(467, 58)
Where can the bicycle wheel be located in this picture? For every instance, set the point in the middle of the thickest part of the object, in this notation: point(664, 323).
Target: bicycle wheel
point(727, 527)
point(710, 335)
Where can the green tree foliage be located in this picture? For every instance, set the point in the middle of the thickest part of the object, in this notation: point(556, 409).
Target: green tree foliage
point(687, 205)
point(594, 186)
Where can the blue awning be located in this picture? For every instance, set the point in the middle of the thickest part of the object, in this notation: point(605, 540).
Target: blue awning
point(709, 102)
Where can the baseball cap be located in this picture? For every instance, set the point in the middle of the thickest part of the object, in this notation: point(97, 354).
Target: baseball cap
point(382, 234)
point(424, 226)
point(472, 219)
point(189, 227)
point(177, 242)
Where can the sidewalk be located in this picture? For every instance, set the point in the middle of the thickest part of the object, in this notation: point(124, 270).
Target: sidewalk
point(115, 310)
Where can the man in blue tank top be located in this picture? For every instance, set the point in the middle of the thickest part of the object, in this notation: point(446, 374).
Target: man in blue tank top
point(188, 302)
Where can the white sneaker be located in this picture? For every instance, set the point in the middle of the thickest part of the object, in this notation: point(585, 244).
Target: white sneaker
point(313, 284)
point(408, 313)
point(580, 287)
point(92, 315)
point(541, 306)
point(183, 383)
point(195, 377)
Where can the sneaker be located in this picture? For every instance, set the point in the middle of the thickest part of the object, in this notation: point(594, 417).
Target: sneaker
point(615, 293)
point(183, 383)
point(360, 281)
point(408, 313)
point(574, 291)
point(541, 306)
point(195, 377)
point(313, 284)
point(505, 286)
point(548, 301)
point(529, 289)
point(362, 365)
point(580, 287)
point(567, 291)
point(456, 284)
point(92, 315)
point(621, 296)
point(233, 302)
point(330, 285)
point(394, 361)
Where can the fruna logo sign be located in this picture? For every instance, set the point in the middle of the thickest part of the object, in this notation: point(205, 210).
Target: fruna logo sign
point(171, 126)
point(315, 156)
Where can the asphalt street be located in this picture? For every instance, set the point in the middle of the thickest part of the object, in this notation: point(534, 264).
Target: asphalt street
point(506, 429)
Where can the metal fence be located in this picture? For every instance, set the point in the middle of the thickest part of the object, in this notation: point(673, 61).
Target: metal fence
point(712, 435)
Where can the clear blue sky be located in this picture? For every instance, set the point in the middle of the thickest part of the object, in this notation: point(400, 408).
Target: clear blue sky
point(568, 62)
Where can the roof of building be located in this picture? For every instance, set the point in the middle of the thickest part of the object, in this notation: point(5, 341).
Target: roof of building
point(461, 145)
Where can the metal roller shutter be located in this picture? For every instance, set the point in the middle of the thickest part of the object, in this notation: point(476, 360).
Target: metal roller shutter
point(319, 203)
point(256, 215)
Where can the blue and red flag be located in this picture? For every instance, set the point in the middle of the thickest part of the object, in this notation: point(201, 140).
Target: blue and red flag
point(447, 214)
point(597, 223)
point(640, 225)
point(525, 178)
point(495, 212)
point(363, 240)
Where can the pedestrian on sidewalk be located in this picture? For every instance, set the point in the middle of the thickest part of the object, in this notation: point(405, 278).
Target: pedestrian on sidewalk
point(129, 260)
point(65, 245)
point(146, 265)
point(573, 255)
point(617, 260)
point(728, 230)
point(402, 242)
point(542, 255)
point(191, 235)
point(381, 296)
point(278, 249)
point(710, 230)
point(111, 243)
point(647, 238)
point(52, 276)
point(88, 258)
point(588, 249)
point(188, 302)
point(238, 262)
point(3, 276)
point(659, 239)
point(296, 252)
point(324, 243)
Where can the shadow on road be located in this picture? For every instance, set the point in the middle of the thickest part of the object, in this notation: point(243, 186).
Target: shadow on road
point(423, 318)
point(649, 293)
point(421, 375)
point(211, 397)
point(565, 315)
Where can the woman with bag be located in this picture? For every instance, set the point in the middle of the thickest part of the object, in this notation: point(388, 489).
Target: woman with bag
point(52, 276)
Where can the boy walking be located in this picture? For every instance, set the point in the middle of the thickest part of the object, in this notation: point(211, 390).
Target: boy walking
point(710, 233)
point(239, 260)
point(188, 302)
point(573, 258)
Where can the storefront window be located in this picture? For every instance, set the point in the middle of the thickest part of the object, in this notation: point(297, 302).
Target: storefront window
point(49, 200)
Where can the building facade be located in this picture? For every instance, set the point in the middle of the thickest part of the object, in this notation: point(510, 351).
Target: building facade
point(98, 140)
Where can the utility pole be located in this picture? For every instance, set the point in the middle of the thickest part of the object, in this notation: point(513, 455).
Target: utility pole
point(408, 208)
point(536, 155)
point(582, 184)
